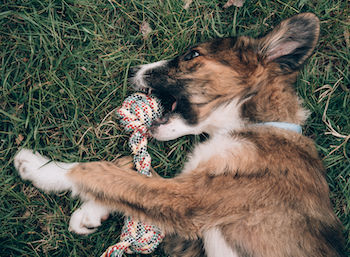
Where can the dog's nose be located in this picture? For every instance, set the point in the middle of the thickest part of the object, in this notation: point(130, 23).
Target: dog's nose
point(133, 71)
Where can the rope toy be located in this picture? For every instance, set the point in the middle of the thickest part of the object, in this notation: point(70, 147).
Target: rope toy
point(137, 114)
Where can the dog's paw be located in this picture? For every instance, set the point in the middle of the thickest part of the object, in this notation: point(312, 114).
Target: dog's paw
point(87, 218)
point(45, 175)
point(28, 163)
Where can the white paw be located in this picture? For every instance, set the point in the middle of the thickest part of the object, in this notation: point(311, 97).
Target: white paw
point(88, 217)
point(45, 175)
point(26, 162)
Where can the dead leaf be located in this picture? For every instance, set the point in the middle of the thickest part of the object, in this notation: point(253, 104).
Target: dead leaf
point(238, 3)
point(145, 29)
point(187, 3)
point(84, 69)
point(27, 214)
point(19, 139)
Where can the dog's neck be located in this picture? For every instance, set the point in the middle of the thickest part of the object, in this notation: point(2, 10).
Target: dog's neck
point(226, 119)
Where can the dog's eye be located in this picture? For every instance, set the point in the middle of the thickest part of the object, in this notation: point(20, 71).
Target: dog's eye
point(191, 55)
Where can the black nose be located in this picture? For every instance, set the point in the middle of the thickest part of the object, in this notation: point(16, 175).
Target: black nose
point(133, 71)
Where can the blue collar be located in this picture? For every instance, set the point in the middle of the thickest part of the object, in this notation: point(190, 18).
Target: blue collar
point(284, 125)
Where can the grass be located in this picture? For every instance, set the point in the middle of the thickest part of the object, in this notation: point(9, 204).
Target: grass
point(64, 68)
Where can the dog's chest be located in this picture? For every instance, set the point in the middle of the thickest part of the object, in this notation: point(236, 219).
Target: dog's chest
point(217, 149)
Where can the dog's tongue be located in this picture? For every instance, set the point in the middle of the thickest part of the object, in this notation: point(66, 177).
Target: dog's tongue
point(162, 120)
point(173, 106)
point(165, 118)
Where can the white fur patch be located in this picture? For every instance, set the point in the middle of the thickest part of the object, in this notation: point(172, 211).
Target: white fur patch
point(138, 80)
point(174, 128)
point(220, 145)
point(222, 119)
point(216, 246)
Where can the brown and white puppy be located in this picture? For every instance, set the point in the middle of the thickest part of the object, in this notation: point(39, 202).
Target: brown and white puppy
point(249, 190)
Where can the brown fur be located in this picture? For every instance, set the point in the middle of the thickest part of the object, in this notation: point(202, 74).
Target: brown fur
point(264, 184)
point(269, 196)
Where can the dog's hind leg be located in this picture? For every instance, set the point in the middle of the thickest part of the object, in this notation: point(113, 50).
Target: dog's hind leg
point(88, 217)
point(177, 246)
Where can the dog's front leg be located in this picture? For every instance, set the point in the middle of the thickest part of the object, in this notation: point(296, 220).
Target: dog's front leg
point(52, 176)
point(45, 174)
point(171, 204)
point(168, 203)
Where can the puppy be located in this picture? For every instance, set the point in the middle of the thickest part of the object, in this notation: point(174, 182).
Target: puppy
point(256, 187)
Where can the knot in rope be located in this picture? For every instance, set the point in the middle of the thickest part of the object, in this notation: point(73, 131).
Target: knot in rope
point(136, 237)
point(137, 114)
point(139, 111)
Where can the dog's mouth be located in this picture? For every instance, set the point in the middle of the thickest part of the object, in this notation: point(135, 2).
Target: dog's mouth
point(169, 103)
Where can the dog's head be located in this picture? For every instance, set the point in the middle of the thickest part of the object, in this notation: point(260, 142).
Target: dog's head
point(225, 83)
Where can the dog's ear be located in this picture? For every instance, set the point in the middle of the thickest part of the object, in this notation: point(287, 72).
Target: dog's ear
point(291, 42)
